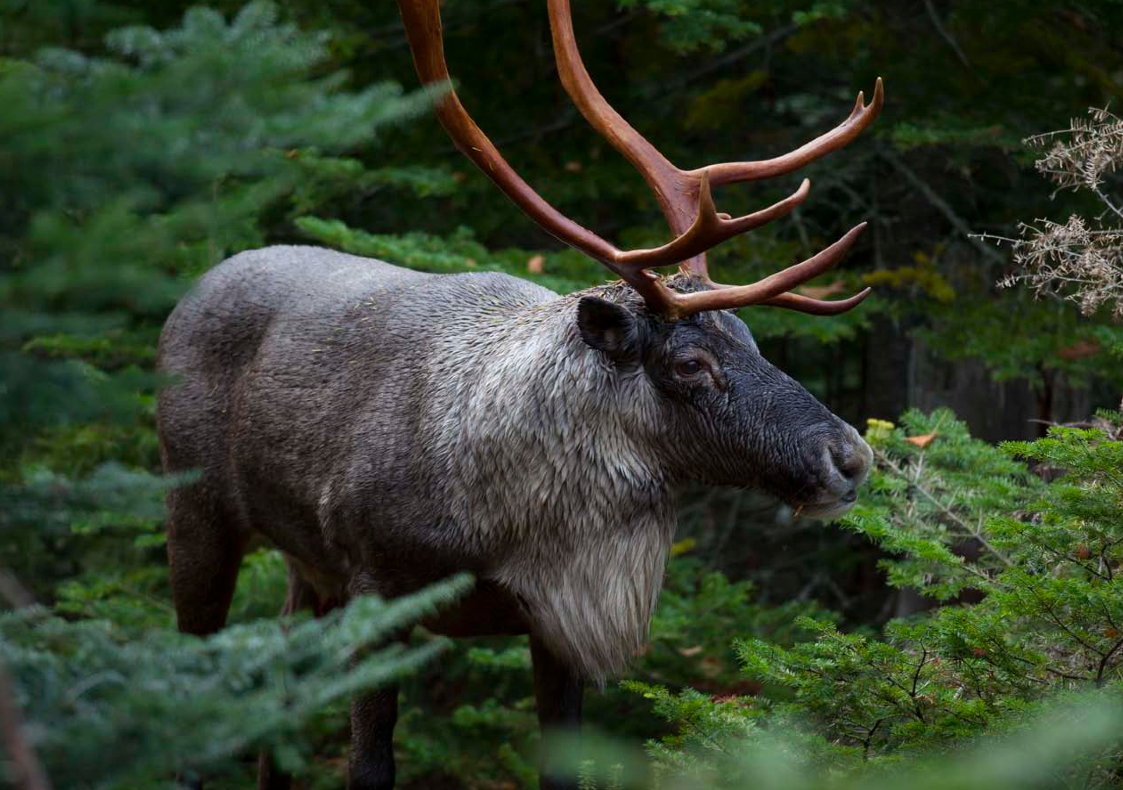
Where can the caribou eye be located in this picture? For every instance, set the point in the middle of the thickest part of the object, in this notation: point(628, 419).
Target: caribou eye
point(689, 367)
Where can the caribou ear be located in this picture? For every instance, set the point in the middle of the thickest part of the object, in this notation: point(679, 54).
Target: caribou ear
point(608, 327)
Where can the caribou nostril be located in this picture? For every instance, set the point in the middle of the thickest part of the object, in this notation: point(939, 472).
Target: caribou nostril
point(841, 461)
point(848, 461)
point(851, 457)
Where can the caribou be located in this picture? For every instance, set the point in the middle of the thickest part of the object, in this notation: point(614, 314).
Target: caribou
point(386, 428)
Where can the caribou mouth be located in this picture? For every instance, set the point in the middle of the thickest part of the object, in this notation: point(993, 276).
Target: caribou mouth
point(828, 510)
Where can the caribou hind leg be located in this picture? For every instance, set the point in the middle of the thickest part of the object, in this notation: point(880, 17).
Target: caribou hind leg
point(204, 554)
point(301, 595)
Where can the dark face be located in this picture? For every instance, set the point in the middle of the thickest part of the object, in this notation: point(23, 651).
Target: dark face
point(729, 416)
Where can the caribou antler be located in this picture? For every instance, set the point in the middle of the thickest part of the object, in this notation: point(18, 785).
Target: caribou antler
point(683, 195)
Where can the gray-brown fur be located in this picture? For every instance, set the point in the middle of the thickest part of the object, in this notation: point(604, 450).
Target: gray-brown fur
point(386, 428)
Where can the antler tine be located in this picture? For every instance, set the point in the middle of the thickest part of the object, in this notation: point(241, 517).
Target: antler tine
point(838, 137)
point(805, 304)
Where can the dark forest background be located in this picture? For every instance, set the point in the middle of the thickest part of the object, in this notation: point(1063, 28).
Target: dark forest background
point(142, 143)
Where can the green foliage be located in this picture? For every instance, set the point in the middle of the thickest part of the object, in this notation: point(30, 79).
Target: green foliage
point(1049, 747)
point(1025, 338)
point(1028, 571)
point(924, 505)
point(456, 252)
point(1043, 557)
point(159, 157)
point(698, 610)
point(696, 24)
point(108, 709)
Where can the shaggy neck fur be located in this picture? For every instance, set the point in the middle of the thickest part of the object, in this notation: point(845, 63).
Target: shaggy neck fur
point(550, 452)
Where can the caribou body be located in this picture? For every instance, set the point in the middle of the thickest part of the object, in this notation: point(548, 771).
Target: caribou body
point(386, 428)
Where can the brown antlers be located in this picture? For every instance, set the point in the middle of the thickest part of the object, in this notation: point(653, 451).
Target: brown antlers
point(684, 195)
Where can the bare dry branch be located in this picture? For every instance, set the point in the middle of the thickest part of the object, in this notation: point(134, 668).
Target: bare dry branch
point(1077, 260)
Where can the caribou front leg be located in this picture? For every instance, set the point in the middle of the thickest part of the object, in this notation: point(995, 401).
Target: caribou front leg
point(373, 717)
point(558, 692)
